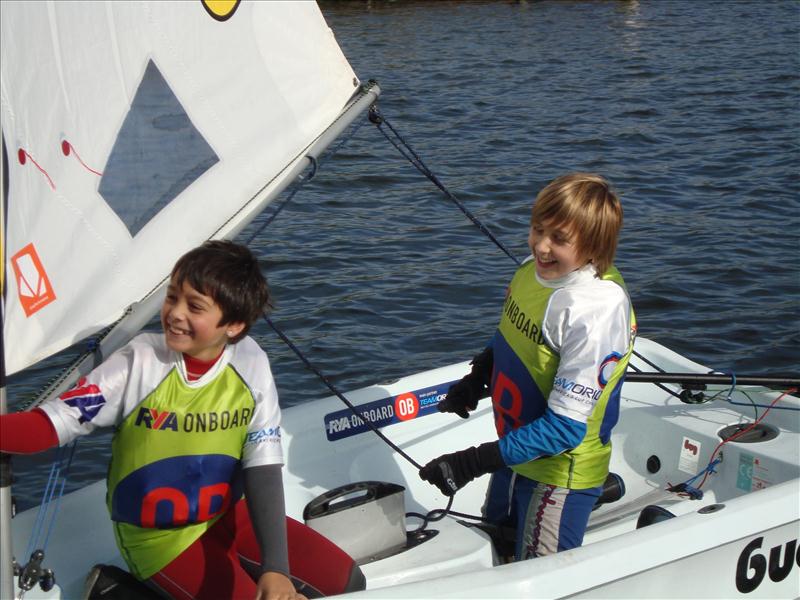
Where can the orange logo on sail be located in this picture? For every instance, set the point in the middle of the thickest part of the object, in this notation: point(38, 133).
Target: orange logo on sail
point(33, 286)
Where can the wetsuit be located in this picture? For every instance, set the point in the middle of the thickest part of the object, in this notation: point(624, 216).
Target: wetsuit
point(560, 354)
point(179, 446)
point(182, 442)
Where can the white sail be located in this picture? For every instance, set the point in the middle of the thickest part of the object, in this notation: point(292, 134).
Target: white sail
point(134, 131)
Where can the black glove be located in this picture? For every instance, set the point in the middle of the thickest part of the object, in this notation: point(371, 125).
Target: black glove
point(463, 395)
point(451, 472)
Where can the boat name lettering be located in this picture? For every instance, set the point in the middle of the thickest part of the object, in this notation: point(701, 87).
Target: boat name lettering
point(192, 422)
point(391, 410)
point(353, 421)
point(753, 565)
point(521, 321)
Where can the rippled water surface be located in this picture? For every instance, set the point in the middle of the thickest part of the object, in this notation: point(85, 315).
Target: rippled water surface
point(691, 109)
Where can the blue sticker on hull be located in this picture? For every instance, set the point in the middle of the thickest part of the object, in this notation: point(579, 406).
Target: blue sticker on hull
point(386, 411)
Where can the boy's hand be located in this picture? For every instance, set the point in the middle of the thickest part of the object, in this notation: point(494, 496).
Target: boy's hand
point(276, 586)
point(451, 472)
point(463, 395)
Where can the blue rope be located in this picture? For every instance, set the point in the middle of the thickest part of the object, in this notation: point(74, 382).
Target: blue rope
point(43, 505)
point(754, 405)
point(72, 448)
point(733, 385)
point(47, 497)
point(766, 406)
point(687, 487)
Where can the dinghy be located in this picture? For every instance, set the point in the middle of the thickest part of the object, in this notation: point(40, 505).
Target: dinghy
point(737, 538)
point(703, 501)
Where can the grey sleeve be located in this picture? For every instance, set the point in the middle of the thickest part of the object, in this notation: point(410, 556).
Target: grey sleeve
point(263, 489)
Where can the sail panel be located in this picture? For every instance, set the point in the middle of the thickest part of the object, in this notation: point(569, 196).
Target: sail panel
point(134, 132)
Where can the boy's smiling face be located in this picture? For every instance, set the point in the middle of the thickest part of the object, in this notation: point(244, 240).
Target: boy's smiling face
point(555, 248)
point(191, 322)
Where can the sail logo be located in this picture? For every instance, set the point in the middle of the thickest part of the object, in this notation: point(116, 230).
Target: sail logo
point(88, 399)
point(221, 10)
point(33, 285)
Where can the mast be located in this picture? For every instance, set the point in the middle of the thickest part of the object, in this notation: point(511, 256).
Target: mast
point(6, 567)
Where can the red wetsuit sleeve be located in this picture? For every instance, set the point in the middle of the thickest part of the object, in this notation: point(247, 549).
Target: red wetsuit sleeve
point(27, 432)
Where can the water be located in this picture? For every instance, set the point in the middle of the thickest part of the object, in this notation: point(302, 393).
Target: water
point(691, 109)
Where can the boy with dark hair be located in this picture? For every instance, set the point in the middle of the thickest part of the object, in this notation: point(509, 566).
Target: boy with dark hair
point(554, 370)
point(197, 422)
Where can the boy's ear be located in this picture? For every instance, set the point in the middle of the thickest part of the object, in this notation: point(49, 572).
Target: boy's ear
point(234, 329)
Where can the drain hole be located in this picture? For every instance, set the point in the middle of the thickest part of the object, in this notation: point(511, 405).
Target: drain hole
point(759, 433)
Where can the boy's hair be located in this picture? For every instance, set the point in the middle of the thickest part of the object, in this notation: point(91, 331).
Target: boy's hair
point(230, 274)
point(586, 203)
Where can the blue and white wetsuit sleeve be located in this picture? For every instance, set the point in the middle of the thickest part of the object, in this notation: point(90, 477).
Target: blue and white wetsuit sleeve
point(548, 435)
point(588, 327)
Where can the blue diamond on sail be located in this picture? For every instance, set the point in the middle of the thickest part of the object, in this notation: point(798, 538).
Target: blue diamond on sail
point(158, 154)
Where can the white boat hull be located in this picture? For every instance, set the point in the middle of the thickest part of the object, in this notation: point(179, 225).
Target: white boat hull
point(740, 539)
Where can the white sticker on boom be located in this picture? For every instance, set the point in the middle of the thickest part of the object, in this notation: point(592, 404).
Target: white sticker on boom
point(690, 456)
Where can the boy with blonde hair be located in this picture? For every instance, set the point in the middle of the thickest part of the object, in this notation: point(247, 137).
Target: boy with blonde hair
point(554, 369)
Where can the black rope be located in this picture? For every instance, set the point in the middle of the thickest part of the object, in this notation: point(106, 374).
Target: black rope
point(338, 394)
point(437, 514)
point(659, 369)
point(409, 154)
point(297, 186)
point(277, 210)
point(303, 180)
point(378, 119)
